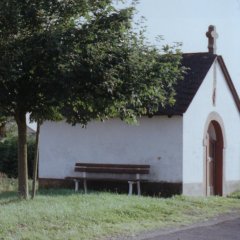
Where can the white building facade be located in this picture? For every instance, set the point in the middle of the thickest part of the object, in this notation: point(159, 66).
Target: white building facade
point(193, 148)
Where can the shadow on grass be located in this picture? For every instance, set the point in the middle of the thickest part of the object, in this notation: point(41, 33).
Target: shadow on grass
point(66, 192)
point(8, 197)
point(57, 192)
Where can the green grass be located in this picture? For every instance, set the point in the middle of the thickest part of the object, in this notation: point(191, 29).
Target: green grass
point(62, 214)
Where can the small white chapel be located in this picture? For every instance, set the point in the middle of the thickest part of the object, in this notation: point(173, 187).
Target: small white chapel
point(193, 148)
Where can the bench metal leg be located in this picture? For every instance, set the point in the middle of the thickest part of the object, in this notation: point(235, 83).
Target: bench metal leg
point(85, 185)
point(76, 185)
point(138, 188)
point(130, 183)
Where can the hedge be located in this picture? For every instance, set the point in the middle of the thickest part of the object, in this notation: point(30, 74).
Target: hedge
point(8, 157)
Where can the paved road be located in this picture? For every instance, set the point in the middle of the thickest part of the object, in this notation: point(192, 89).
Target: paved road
point(228, 230)
point(222, 227)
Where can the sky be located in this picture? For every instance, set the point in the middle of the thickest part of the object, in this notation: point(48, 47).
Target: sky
point(187, 21)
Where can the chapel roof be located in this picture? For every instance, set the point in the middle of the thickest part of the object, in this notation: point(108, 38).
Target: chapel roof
point(198, 65)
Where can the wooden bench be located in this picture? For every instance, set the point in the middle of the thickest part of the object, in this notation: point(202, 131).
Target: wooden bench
point(133, 170)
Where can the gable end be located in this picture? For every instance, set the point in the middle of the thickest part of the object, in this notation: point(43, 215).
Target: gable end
point(229, 81)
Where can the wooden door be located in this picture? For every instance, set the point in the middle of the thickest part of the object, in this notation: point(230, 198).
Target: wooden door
point(210, 166)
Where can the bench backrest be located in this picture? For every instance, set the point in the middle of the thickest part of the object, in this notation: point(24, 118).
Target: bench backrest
point(112, 168)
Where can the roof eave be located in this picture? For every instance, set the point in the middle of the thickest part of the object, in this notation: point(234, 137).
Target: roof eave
point(229, 81)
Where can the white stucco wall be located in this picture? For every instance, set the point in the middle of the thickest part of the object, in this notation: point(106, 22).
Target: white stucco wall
point(194, 121)
point(156, 141)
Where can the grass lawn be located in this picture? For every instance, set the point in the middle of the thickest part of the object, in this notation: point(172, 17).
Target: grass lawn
point(62, 214)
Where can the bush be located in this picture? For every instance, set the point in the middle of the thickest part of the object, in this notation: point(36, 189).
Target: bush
point(235, 195)
point(8, 157)
point(7, 184)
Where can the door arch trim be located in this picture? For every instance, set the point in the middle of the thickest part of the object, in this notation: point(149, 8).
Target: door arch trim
point(214, 116)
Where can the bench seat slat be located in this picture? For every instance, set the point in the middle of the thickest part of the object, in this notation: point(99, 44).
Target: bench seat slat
point(112, 170)
point(106, 165)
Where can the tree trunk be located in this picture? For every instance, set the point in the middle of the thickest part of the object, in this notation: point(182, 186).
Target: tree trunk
point(22, 156)
point(35, 162)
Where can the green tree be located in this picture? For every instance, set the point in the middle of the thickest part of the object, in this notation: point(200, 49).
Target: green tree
point(81, 60)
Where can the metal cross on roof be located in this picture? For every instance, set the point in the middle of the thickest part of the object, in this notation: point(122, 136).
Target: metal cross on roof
point(212, 37)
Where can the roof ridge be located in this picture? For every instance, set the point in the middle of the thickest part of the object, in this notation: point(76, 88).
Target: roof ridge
point(195, 53)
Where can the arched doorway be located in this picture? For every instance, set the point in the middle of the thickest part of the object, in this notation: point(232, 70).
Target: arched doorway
point(214, 159)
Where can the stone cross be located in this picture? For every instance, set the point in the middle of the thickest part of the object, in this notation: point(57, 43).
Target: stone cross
point(212, 37)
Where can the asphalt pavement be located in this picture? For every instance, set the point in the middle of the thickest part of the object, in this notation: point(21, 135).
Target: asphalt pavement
point(228, 230)
point(223, 227)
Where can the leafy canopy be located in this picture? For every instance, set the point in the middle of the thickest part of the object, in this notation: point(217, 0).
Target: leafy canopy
point(80, 59)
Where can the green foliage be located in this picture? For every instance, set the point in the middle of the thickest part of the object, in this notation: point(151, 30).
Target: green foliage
point(11, 129)
point(7, 184)
point(82, 59)
point(64, 214)
point(8, 157)
point(235, 195)
point(3, 121)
